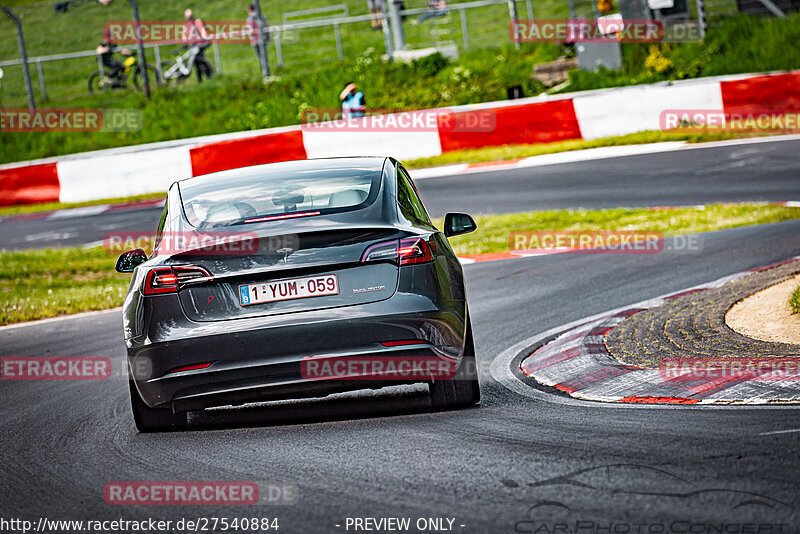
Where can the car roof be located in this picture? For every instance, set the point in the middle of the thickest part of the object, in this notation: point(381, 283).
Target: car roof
point(288, 168)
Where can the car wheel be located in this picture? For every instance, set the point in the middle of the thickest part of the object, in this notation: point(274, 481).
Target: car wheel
point(463, 389)
point(149, 419)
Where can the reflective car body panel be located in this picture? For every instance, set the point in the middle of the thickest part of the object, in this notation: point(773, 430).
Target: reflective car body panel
point(235, 353)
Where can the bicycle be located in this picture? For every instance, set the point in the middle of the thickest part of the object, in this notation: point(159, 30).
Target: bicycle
point(130, 66)
point(180, 68)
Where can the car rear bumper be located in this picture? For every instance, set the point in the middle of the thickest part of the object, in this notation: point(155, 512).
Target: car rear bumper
point(263, 358)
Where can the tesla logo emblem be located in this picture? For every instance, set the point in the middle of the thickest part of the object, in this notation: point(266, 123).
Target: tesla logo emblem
point(210, 298)
point(285, 251)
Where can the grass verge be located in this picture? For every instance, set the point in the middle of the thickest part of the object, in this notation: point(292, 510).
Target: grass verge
point(510, 152)
point(493, 230)
point(46, 283)
point(36, 284)
point(794, 300)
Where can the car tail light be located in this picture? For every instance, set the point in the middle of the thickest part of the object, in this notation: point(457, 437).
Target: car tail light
point(414, 250)
point(381, 251)
point(167, 279)
point(407, 251)
point(160, 280)
point(191, 273)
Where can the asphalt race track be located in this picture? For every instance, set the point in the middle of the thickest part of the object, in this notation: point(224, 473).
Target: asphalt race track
point(512, 464)
point(753, 171)
point(700, 175)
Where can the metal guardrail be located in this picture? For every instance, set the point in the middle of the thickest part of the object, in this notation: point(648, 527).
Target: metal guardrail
point(54, 57)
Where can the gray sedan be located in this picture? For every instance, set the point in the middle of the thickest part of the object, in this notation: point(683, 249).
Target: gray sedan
point(295, 279)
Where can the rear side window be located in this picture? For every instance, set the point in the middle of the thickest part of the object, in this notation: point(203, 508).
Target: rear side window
point(408, 199)
point(160, 230)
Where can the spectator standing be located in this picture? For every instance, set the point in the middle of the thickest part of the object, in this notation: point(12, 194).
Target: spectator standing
point(195, 34)
point(258, 29)
point(354, 104)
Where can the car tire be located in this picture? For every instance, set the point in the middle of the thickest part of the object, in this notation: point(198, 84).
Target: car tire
point(149, 419)
point(463, 389)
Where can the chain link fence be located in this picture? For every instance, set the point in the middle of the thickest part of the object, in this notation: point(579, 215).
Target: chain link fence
point(61, 37)
point(717, 9)
point(61, 42)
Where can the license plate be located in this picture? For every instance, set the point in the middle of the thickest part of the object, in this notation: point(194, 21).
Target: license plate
point(289, 289)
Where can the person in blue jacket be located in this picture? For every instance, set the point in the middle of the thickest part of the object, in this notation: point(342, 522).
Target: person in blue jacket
point(354, 104)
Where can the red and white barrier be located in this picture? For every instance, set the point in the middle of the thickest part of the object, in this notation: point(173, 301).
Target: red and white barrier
point(122, 175)
point(326, 143)
point(638, 108)
point(281, 145)
point(585, 115)
point(29, 184)
point(760, 94)
point(528, 121)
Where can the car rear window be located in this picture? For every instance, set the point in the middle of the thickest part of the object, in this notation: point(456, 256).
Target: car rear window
point(269, 192)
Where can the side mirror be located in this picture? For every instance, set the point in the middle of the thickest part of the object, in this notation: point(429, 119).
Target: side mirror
point(458, 223)
point(128, 261)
